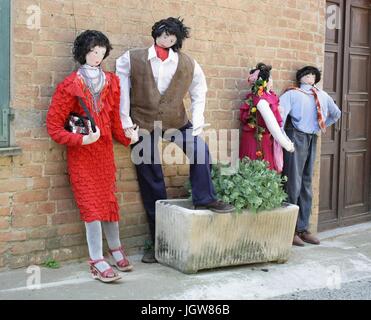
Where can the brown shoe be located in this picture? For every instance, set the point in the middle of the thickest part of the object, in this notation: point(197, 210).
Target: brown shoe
point(297, 241)
point(306, 236)
point(217, 206)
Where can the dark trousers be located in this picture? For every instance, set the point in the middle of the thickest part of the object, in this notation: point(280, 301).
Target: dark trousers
point(298, 167)
point(151, 178)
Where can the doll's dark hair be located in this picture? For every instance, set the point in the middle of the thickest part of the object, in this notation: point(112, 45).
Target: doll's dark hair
point(172, 26)
point(265, 71)
point(308, 70)
point(87, 41)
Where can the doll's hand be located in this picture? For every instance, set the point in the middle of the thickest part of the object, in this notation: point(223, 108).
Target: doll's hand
point(134, 134)
point(291, 147)
point(91, 137)
point(129, 131)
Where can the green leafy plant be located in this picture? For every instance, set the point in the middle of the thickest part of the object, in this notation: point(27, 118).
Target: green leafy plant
point(51, 263)
point(252, 187)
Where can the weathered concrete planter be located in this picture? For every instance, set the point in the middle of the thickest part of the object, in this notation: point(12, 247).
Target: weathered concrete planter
point(191, 240)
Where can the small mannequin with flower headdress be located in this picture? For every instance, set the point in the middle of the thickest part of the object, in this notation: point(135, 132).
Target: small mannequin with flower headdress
point(261, 120)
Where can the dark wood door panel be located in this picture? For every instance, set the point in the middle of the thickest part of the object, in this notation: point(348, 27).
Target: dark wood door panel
point(357, 121)
point(355, 197)
point(359, 20)
point(327, 203)
point(358, 81)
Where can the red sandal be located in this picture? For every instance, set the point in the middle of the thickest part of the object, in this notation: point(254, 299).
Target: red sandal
point(122, 265)
point(106, 276)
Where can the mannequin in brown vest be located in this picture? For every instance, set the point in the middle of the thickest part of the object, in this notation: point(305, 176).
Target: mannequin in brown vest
point(158, 79)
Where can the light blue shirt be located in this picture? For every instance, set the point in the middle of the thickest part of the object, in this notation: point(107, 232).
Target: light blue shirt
point(303, 111)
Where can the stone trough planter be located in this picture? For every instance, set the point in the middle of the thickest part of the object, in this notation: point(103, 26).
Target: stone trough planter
point(190, 240)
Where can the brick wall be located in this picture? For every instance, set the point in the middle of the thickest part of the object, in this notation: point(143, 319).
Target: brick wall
point(38, 216)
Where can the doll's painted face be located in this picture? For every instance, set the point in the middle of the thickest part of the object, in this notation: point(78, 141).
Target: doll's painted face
point(166, 40)
point(95, 57)
point(308, 79)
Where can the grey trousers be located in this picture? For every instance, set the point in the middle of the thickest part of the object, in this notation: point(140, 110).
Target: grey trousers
point(298, 167)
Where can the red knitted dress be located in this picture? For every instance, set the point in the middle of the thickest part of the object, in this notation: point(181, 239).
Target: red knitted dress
point(248, 144)
point(91, 167)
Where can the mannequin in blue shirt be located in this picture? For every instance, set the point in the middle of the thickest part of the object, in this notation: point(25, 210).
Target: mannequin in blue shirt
point(303, 120)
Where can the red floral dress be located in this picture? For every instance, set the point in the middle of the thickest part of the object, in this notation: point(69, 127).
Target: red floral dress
point(248, 144)
point(91, 167)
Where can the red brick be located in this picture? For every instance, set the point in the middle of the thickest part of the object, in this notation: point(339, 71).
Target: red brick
point(62, 218)
point(31, 196)
point(24, 209)
point(33, 144)
point(5, 172)
point(60, 181)
point(46, 208)
point(169, 171)
point(28, 171)
point(12, 185)
point(183, 170)
point(130, 197)
point(133, 208)
point(55, 168)
point(65, 205)
point(42, 50)
point(70, 229)
point(55, 155)
point(4, 223)
point(29, 221)
point(72, 240)
point(41, 183)
point(131, 219)
point(5, 161)
point(43, 232)
point(60, 193)
point(4, 212)
point(12, 236)
point(18, 261)
point(128, 186)
point(27, 246)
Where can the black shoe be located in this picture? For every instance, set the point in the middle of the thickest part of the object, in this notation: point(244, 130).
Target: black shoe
point(217, 206)
point(149, 257)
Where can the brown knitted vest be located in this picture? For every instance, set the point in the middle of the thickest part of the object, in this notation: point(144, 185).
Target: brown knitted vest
point(147, 104)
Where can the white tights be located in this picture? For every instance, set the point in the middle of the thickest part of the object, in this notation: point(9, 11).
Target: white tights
point(95, 243)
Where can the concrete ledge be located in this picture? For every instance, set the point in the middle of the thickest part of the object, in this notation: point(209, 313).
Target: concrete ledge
point(11, 151)
point(190, 240)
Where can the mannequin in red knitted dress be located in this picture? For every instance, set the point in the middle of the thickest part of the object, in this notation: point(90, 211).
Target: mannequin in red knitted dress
point(90, 157)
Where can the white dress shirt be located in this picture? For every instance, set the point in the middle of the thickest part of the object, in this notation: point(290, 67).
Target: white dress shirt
point(163, 72)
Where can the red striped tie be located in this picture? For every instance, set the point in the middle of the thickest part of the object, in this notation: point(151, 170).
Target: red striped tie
point(321, 123)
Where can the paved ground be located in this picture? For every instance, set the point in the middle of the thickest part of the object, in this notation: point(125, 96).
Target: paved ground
point(340, 268)
point(356, 290)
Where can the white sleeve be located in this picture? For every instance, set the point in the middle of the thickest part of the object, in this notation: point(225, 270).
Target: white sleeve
point(197, 91)
point(273, 126)
point(123, 72)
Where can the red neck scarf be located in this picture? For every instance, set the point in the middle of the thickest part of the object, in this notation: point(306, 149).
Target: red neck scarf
point(162, 53)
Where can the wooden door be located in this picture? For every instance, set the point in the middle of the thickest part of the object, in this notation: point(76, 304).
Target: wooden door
point(345, 159)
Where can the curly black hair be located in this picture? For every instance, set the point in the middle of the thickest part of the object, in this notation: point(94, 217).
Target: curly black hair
point(265, 71)
point(87, 41)
point(172, 26)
